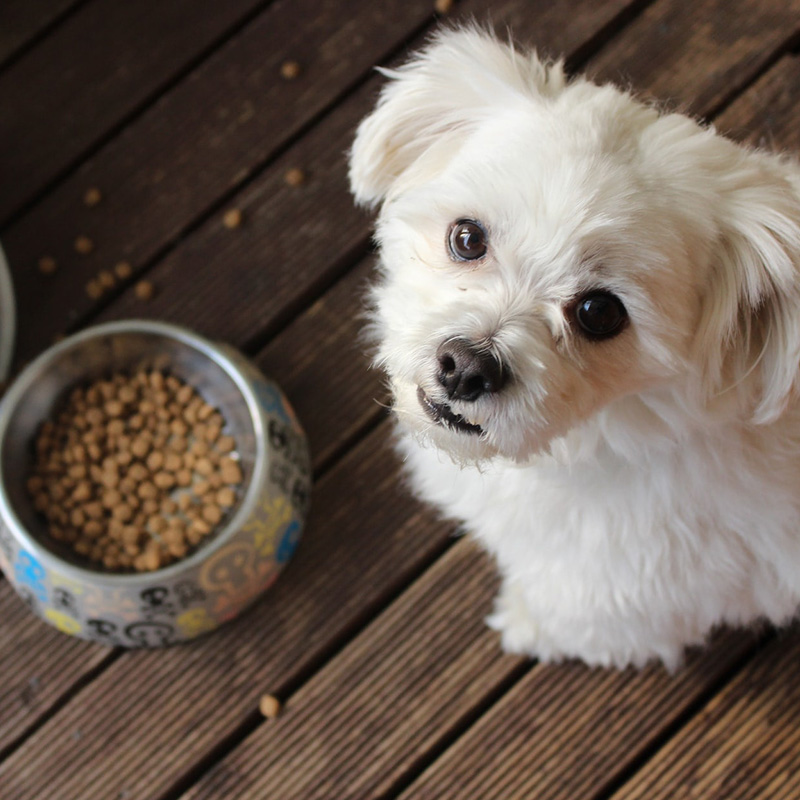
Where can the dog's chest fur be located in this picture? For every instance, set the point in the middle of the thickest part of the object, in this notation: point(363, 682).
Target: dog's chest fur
point(616, 560)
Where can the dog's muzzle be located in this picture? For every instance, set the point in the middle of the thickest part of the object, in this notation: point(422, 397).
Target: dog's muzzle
point(466, 372)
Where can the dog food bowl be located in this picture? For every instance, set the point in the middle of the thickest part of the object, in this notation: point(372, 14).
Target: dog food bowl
point(230, 568)
point(7, 318)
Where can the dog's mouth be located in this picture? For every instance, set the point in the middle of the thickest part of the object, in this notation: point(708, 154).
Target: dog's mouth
point(442, 414)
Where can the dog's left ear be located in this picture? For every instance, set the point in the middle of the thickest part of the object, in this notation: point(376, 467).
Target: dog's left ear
point(749, 337)
point(432, 101)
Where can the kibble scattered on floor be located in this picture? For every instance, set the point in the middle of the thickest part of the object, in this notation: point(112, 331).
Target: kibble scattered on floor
point(47, 265)
point(294, 176)
point(232, 218)
point(92, 197)
point(145, 290)
point(84, 245)
point(290, 70)
point(123, 270)
point(269, 706)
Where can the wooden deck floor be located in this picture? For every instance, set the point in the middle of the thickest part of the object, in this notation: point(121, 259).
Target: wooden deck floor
point(373, 637)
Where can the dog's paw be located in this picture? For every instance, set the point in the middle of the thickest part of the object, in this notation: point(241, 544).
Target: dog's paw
point(513, 621)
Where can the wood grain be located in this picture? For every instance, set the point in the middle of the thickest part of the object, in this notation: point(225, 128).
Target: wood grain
point(37, 665)
point(767, 114)
point(743, 745)
point(204, 137)
point(88, 75)
point(564, 731)
point(715, 47)
point(23, 20)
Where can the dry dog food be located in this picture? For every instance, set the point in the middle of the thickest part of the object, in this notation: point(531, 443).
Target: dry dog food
point(232, 218)
point(47, 265)
point(123, 270)
point(134, 471)
point(290, 70)
point(92, 197)
point(294, 177)
point(84, 245)
point(270, 706)
point(144, 290)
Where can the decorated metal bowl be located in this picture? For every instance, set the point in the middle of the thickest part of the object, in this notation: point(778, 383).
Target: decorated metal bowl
point(226, 572)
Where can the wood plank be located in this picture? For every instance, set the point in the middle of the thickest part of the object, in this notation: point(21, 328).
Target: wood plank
point(407, 682)
point(564, 731)
point(766, 115)
point(24, 20)
point(95, 69)
point(324, 367)
point(151, 714)
point(37, 665)
point(200, 140)
point(667, 49)
point(743, 745)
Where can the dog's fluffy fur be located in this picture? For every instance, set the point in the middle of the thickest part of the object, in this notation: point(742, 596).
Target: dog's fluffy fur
point(636, 491)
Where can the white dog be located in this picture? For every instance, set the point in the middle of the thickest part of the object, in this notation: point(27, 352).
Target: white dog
point(589, 313)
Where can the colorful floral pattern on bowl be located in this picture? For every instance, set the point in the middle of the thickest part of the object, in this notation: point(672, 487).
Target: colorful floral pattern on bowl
point(213, 584)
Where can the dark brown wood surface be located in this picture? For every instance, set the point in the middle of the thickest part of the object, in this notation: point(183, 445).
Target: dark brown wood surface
point(374, 636)
point(22, 22)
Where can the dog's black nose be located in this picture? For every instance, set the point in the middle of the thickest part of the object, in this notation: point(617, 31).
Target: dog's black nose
point(467, 372)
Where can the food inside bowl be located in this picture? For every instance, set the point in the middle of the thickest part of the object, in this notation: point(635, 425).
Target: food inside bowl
point(134, 471)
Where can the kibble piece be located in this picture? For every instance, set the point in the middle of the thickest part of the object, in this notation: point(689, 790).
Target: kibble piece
point(83, 491)
point(113, 408)
point(92, 197)
point(172, 462)
point(212, 514)
point(443, 6)
point(94, 289)
point(290, 70)
point(47, 265)
point(230, 471)
point(106, 279)
point(138, 472)
point(225, 444)
point(145, 290)
point(294, 177)
point(123, 512)
point(152, 558)
point(183, 477)
point(204, 466)
point(164, 480)
point(232, 218)
point(84, 245)
point(269, 706)
point(123, 270)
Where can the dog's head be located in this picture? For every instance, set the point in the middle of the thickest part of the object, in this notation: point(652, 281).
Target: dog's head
point(555, 252)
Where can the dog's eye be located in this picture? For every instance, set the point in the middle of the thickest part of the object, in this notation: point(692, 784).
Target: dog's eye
point(467, 240)
point(600, 314)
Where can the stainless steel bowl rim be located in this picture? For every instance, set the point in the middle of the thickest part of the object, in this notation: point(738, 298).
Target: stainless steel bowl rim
point(8, 316)
point(212, 351)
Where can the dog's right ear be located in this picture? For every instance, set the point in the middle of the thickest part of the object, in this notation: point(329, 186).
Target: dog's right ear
point(435, 99)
